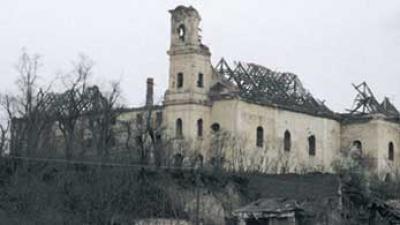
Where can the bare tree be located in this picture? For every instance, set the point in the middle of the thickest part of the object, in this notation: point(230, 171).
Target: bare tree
point(4, 131)
point(144, 136)
point(30, 111)
point(71, 104)
point(102, 114)
point(5, 123)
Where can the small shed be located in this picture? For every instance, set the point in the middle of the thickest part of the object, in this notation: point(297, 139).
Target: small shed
point(270, 211)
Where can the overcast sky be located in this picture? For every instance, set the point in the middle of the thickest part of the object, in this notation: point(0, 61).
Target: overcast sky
point(329, 44)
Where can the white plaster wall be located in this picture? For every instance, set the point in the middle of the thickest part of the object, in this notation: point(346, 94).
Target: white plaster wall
point(375, 136)
point(366, 133)
point(189, 114)
point(242, 119)
point(387, 132)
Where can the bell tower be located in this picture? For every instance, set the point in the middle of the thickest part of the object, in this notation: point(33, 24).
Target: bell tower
point(187, 107)
point(184, 27)
point(190, 66)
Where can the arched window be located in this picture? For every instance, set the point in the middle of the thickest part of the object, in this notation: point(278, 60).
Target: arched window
point(181, 32)
point(180, 80)
point(357, 145)
point(178, 131)
point(391, 151)
point(287, 141)
point(215, 127)
point(311, 145)
point(200, 80)
point(260, 137)
point(199, 128)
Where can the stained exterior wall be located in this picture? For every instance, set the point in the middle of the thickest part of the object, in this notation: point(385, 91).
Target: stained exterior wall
point(375, 136)
point(189, 114)
point(388, 132)
point(242, 120)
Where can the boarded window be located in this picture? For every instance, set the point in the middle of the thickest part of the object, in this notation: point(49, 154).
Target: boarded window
point(180, 80)
point(200, 80)
point(260, 137)
point(178, 128)
point(287, 141)
point(200, 128)
point(311, 145)
point(391, 151)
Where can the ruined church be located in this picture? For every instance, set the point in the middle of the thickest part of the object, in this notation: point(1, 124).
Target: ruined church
point(265, 119)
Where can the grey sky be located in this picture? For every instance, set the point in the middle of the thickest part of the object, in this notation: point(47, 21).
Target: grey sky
point(328, 43)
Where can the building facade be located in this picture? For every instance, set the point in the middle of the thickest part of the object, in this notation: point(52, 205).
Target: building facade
point(250, 117)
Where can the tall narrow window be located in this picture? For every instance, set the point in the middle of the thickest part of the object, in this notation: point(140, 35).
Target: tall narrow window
point(200, 128)
point(311, 145)
point(178, 128)
point(391, 151)
point(260, 137)
point(200, 80)
point(180, 80)
point(287, 142)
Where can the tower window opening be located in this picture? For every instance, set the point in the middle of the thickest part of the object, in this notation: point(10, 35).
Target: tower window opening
point(391, 151)
point(181, 32)
point(200, 128)
point(287, 142)
point(178, 128)
point(311, 145)
point(180, 80)
point(260, 137)
point(200, 80)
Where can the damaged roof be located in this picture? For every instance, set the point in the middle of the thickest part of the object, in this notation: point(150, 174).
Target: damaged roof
point(257, 84)
point(366, 104)
point(260, 85)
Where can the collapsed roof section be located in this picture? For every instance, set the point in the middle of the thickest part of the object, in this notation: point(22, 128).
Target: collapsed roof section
point(365, 103)
point(261, 85)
